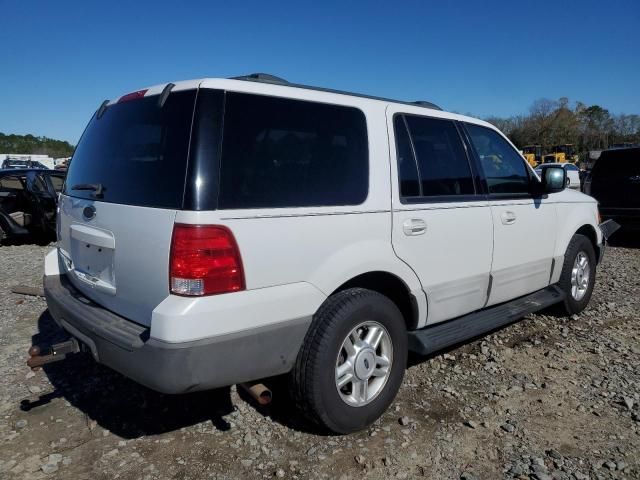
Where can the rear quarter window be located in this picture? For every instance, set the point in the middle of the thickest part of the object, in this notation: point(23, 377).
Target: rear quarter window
point(279, 152)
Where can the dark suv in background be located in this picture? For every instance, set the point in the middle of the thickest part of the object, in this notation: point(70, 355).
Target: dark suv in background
point(615, 183)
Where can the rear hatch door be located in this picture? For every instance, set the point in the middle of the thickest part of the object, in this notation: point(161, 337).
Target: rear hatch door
point(124, 186)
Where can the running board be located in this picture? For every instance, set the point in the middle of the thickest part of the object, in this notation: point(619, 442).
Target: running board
point(452, 332)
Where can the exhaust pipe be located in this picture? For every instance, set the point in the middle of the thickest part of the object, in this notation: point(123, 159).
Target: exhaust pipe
point(258, 391)
point(54, 353)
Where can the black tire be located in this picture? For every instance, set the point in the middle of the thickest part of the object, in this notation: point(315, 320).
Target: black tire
point(578, 244)
point(313, 383)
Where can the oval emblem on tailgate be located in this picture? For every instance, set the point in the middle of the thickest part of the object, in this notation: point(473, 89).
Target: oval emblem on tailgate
point(89, 212)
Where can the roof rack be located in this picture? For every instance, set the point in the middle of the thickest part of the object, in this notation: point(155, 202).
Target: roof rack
point(268, 78)
point(424, 103)
point(262, 77)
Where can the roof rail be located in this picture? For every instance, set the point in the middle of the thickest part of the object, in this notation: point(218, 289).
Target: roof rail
point(268, 78)
point(424, 103)
point(262, 77)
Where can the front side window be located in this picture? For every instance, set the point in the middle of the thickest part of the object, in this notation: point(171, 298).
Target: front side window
point(280, 152)
point(440, 161)
point(503, 166)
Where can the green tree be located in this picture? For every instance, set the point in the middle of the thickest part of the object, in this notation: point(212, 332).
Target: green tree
point(26, 144)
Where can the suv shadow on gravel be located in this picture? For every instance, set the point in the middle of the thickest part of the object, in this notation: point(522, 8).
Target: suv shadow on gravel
point(118, 404)
point(131, 410)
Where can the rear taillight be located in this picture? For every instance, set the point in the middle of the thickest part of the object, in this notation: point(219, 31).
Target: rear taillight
point(205, 260)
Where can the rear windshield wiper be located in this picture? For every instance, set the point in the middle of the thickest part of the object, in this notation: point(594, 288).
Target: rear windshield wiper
point(97, 188)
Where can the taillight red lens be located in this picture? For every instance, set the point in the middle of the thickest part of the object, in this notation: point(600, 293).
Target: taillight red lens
point(205, 260)
point(132, 96)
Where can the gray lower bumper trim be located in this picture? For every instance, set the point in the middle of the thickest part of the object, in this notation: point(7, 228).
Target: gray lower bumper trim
point(173, 367)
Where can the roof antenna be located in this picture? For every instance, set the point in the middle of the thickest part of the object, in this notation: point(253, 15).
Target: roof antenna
point(165, 94)
point(102, 109)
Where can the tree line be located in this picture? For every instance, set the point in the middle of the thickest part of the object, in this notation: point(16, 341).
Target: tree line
point(30, 144)
point(557, 122)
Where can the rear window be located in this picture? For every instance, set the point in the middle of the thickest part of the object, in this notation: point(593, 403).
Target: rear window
point(280, 152)
point(137, 151)
point(614, 163)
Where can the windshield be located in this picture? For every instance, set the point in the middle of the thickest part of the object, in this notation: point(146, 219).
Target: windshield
point(137, 151)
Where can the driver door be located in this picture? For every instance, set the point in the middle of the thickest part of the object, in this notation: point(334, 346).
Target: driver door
point(524, 226)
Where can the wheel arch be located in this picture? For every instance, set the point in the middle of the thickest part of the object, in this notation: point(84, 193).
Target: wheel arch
point(590, 232)
point(391, 286)
point(576, 218)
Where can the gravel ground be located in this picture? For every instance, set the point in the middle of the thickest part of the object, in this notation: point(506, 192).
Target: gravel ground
point(547, 398)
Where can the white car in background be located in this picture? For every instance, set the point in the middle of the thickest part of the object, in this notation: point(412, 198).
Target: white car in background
point(573, 173)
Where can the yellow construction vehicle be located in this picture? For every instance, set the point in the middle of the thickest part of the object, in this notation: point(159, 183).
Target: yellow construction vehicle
point(561, 154)
point(533, 154)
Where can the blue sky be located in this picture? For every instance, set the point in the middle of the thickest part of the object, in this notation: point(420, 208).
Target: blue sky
point(59, 60)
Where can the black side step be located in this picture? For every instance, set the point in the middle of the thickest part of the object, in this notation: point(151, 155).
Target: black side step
point(442, 335)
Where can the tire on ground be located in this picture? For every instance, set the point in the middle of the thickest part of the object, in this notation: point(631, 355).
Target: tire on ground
point(578, 244)
point(313, 379)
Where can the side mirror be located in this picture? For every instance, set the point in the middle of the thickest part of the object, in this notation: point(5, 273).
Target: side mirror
point(554, 179)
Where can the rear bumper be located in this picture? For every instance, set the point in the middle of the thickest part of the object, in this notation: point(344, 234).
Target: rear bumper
point(166, 367)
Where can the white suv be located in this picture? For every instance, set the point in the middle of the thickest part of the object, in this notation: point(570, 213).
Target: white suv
point(220, 231)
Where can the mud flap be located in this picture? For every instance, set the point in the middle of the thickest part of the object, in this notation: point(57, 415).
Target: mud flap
point(608, 228)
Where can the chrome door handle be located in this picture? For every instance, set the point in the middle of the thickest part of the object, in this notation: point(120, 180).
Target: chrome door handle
point(508, 218)
point(414, 226)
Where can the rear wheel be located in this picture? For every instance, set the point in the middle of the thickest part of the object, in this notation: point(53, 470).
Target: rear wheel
point(352, 362)
point(578, 275)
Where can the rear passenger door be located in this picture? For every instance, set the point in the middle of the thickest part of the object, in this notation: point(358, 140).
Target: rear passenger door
point(441, 219)
point(524, 225)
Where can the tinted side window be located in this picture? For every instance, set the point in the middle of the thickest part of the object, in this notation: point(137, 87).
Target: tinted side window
point(503, 166)
point(289, 153)
point(38, 184)
point(57, 182)
point(407, 169)
point(12, 183)
point(442, 161)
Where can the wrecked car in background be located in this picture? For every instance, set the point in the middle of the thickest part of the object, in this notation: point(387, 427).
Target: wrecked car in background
point(28, 202)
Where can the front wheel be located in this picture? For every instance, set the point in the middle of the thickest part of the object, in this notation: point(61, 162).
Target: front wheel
point(578, 275)
point(352, 361)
